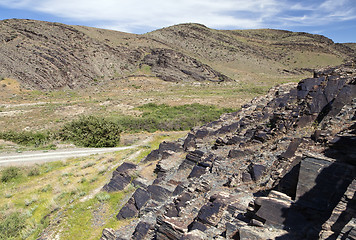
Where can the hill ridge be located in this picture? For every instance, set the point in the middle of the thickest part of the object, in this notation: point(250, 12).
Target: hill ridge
point(46, 55)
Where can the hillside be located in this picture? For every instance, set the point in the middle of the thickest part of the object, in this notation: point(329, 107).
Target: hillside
point(44, 55)
point(262, 50)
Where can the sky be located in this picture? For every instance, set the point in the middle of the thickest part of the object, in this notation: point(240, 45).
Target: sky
point(335, 19)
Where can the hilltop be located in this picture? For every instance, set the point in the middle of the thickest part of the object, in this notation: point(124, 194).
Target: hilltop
point(45, 55)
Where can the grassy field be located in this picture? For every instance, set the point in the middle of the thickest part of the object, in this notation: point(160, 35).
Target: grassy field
point(37, 111)
point(62, 199)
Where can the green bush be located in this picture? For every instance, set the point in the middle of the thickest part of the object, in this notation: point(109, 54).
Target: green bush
point(90, 131)
point(26, 138)
point(12, 225)
point(10, 173)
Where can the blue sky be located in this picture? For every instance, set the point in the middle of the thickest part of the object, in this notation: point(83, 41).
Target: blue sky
point(335, 19)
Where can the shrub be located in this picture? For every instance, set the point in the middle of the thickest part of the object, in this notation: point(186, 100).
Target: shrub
point(26, 138)
point(102, 197)
point(90, 131)
point(10, 173)
point(12, 225)
point(34, 172)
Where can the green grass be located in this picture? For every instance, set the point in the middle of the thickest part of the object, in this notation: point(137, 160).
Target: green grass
point(51, 195)
point(97, 131)
point(170, 118)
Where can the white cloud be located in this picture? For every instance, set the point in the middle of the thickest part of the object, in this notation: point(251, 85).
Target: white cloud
point(130, 15)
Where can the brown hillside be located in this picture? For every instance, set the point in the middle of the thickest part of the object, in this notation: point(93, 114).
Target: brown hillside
point(46, 55)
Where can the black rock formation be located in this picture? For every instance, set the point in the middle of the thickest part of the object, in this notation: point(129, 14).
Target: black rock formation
point(283, 167)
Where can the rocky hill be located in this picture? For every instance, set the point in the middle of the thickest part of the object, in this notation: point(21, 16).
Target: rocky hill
point(44, 55)
point(283, 167)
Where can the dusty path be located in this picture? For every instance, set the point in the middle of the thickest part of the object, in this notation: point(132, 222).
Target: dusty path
point(55, 155)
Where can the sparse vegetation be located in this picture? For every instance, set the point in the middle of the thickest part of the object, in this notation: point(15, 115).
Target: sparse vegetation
point(66, 193)
point(11, 225)
point(10, 173)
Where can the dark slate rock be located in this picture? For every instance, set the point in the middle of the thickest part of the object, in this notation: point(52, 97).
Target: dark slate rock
point(228, 128)
point(158, 193)
point(306, 85)
point(197, 172)
point(170, 146)
point(274, 211)
point(250, 133)
point(322, 183)
point(261, 136)
point(125, 167)
point(231, 231)
point(246, 177)
point(347, 93)
point(333, 87)
point(168, 228)
point(117, 183)
point(318, 102)
point(183, 199)
point(235, 153)
point(234, 140)
point(178, 190)
point(141, 230)
point(288, 183)
point(211, 213)
point(140, 196)
point(195, 156)
point(305, 120)
point(212, 124)
point(189, 142)
point(293, 146)
point(257, 171)
point(152, 156)
point(129, 210)
point(171, 211)
point(197, 225)
point(202, 133)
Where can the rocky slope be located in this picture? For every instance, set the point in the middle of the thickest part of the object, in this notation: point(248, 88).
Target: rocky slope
point(283, 167)
point(46, 55)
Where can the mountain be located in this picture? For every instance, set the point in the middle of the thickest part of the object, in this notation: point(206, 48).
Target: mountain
point(283, 167)
point(45, 55)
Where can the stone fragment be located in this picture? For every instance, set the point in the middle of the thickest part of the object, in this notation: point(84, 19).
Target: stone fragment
point(141, 231)
point(273, 211)
point(108, 234)
point(129, 210)
point(140, 197)
point(257, 171)
point(196, 225)
point(158, 193)
point(235, 153)
point(293, 145)
point(211, 213)
point(197, 172)
point(121, 177)
point(170, 228)
point(246, 177)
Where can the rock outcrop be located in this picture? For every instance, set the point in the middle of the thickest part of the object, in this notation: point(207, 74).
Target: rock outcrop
point(283, 167)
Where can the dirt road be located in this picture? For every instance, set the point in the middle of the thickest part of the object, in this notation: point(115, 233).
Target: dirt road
point(54, 155)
